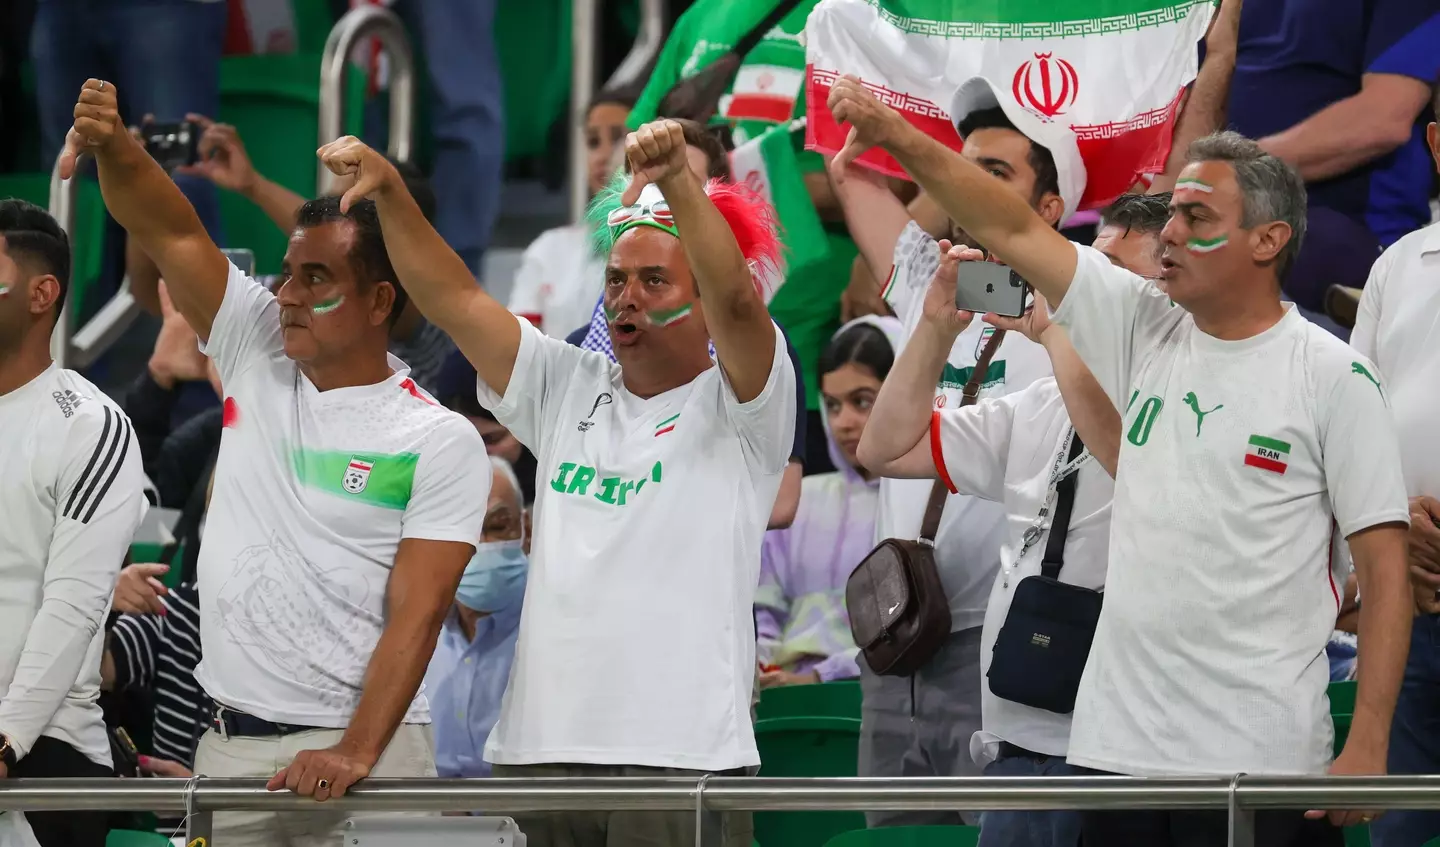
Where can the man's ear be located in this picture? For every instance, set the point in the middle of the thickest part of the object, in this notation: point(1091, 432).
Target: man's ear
point(1051, 207)
point(1267, 240)
point(44, 292)
point(383, 304)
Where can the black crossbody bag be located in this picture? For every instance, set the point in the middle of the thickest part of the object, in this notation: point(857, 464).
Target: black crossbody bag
point(1042, 647)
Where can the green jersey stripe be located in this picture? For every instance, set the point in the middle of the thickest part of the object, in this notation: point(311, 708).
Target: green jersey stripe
point(383, 480)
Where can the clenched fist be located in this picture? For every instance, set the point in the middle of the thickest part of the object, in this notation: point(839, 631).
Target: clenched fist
point(872, 123)
point(349, 156)
point(656, 152)
point(97, 124)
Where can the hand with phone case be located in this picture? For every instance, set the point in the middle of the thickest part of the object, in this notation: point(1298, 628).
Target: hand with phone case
point(939, 307)
point(990, 288)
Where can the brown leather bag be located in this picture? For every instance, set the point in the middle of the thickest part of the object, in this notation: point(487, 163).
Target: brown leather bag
point(899, 612)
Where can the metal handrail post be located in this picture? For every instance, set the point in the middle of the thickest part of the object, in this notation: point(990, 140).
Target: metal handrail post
point(582, 88)
point(366, 22)
point(649, 38)
point(62, 208)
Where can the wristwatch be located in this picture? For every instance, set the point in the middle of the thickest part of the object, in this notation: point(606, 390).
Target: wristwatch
point(7, 753)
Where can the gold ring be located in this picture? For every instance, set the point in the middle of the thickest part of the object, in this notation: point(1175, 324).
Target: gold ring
point(102, 86)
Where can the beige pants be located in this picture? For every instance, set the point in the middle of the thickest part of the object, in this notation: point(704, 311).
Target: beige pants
point(617, 829)
point(411, 754)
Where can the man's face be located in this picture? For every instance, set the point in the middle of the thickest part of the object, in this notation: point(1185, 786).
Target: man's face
point(650, 301)
point(498, 440)
point(504, 517)
point(1205, 247)
point(323, 309)
point(604, 132)
point(1136, 251)
point(1005, 155)
point(23, 297)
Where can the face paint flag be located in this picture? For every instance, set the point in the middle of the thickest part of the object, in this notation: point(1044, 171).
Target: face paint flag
point(670, 317)
point(1072, 63)
point(325, 307)
point(1207, 245)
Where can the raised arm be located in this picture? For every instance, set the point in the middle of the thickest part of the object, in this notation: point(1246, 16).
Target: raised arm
point(1094, 417)
point(981, 205)
point(438, 281)
point(896, 441)
point(735, 313)
point(875, 216)
point(1204, 110)
point(146, 202)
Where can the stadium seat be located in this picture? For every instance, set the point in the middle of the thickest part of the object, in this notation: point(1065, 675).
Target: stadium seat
point(909, 836)
point(1342, 709)
point(274, 102)
point(533, 40)
point(830, 699)
point(135, 838)
point(803, 746)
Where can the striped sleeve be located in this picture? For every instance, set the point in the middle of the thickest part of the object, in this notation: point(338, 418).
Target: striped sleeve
point(106, 458)
point(182, 708)
point(134, 642)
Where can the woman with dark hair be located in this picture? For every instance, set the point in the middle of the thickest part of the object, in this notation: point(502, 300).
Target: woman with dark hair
point(560, 275)
point(802, 629)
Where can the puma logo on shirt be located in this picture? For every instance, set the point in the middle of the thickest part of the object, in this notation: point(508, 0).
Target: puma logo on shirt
point(1194, 403)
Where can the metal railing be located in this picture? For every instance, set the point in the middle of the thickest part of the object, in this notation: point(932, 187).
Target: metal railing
point(1241, 796)
point(367, 21)
point(79, 348)
point(649, 38)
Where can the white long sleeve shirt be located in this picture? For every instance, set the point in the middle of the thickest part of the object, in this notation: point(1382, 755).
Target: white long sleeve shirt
point(71, 494)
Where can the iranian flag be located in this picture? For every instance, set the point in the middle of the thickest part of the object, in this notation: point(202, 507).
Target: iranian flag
point(1114, 71)
point(1268, 454)
point(767, 164)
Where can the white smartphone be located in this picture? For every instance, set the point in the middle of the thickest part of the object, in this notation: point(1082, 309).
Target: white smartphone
point(985, 287)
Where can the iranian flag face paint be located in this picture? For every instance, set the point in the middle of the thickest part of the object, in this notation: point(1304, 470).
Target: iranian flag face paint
point(1207, 245)
point(325, 307)
point(610, 314)
point(4, 291)
point(1194, 185)
point(669, 317)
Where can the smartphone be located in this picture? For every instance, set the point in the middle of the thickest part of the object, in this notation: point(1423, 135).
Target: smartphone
point(242, 259)
point(173, 144)
point(984, 287)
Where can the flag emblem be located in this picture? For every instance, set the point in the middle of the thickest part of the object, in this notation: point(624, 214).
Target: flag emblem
point(357, 475)
point(985, 335)
point(1268, 454)
point(666, 425)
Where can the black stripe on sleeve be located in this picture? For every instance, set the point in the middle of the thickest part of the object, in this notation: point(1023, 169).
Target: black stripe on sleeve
point(85, 475)
point(123, 433)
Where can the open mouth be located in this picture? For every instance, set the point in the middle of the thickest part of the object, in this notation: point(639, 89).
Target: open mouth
point(1168, 267)
point(625, 333)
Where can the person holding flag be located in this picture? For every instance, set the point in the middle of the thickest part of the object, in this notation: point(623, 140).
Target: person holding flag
point(1249, 434)
point(660, 471)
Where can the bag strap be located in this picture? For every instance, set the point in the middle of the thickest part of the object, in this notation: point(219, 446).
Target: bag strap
point(1054, 558)
point(936, 504)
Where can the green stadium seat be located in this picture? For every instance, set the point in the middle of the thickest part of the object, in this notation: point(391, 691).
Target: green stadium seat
point(909, 836)
point(313, 22)
point(135, 838)
point(274, 102)
point(801, 746)
point(830, 699)
point(1342, 709)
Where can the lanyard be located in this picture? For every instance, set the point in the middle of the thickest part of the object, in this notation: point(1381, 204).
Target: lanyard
point(1058, 472)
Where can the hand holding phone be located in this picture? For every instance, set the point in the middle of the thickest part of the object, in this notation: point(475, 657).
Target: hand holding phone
point(985, 287)
point(173, 145)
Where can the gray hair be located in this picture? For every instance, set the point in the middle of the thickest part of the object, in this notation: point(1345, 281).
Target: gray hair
point(1270, 190)
point(1143, 213)
point(503, 468)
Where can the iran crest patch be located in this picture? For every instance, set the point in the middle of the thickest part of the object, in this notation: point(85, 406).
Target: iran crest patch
point(357, 475)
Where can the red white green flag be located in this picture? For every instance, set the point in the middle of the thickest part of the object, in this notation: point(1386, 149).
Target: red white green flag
point(1269, 454)
point(1113, 70)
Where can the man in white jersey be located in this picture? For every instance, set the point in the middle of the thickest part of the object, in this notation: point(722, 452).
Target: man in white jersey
point(346, 502)
point(1210, 657)
point(71, 493)
point(637, 646)
point(1013, 450)
point(1396, 329)
point(921, 726)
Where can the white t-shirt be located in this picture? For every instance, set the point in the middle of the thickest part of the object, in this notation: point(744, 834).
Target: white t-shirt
point(559, 280)
point(1396, 329)
point(71, 488)
point(1235, 458)
point(972, 529)
point(637, 639)
point(1004, 450)
point(313, 493)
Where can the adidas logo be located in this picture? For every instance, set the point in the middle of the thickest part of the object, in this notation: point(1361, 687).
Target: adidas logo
point(68, 401)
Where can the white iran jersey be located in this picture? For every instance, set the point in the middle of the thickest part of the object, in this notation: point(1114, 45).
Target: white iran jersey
point(313, 493)
point(1005, 450)
point(972, 529)
point(637, 635)
point(1236, 461)
point(71, 487)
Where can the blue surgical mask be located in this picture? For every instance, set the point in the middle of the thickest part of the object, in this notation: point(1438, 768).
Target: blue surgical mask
point(495, 578)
